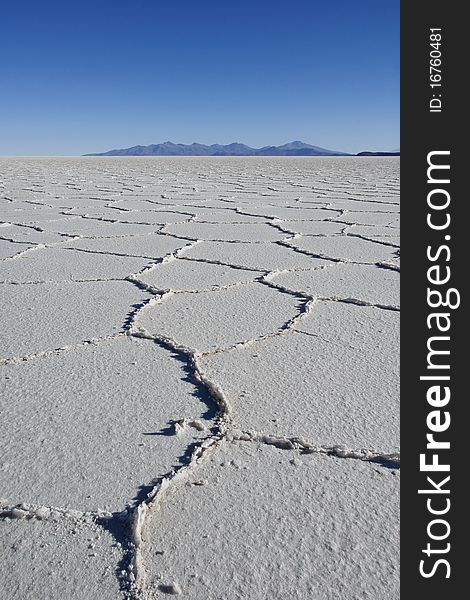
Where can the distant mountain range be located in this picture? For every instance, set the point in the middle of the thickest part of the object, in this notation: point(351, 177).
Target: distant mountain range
point(392, 153)
point(170, 149)
point(296, 148)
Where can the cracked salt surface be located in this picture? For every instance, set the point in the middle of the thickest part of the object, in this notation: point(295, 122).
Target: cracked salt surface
point(20, 233)
point(268, 524)
point(370, 218)
point(373, 231)
point(32, 216)
point(236, 232)
point(343, 384)
point(95, 228)
point(66, 264)
point(225, 216)
point(150, 246)
point(95, 424)
point(293, 214)
point(238, 403)
point(186, 275)
point(55, 315)
point(368, 205)
point(208, 321)
point(9, 249)
point(348, 249)
point(253, 256)
point(145, 217)
point(314, 227)
point(365, 284)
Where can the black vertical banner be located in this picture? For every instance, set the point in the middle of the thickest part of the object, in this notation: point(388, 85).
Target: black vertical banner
point(434, 506)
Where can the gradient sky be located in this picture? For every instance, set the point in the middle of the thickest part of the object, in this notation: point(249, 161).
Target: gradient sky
point(88, 76)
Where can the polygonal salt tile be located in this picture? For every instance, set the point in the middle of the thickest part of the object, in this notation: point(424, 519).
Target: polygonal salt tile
point(62, 264)
point(28, 234)
point(206, 321)
point(345, 248)
point(187, 275)
point(242, 232)
point(67, 202)
point(90, 228)
point(58, 558)
point(313, 227)
point(364, 283)
point(47, 316)
point(32, 215)
point(150, 246)
point(277, 526)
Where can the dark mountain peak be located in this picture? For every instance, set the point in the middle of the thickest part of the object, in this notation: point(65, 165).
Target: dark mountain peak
point(295, 145)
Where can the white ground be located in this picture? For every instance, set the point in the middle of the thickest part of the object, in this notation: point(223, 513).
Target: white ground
point(199, 378)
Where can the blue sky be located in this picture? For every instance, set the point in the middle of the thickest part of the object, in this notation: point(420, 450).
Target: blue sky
point(87, 76)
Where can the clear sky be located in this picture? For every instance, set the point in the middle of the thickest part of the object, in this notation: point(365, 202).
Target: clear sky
point(91, 75)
